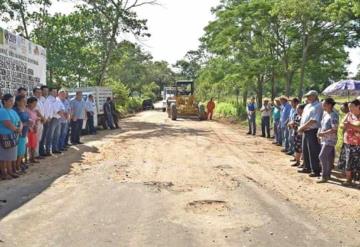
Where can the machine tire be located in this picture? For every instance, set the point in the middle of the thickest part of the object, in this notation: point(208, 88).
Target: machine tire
point(102, 122)
point(173, 111)
point(202, 113)
point(164, 109)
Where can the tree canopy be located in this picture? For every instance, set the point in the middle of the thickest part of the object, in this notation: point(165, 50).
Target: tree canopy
point(272, 47)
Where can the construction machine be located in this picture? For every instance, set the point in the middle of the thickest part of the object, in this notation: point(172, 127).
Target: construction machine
point(183, 103)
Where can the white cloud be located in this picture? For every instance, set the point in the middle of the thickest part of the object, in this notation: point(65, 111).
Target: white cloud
point(176, 26)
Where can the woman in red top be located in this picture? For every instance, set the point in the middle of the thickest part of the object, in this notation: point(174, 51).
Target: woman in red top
point(352, 140)
point(210, 109)
point(34, 120)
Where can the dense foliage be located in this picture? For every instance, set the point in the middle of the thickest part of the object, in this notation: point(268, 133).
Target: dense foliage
point(86, 48)
point(272, 47)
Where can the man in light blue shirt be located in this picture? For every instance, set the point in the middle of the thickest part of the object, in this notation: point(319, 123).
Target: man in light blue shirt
point(64, 121)
point(284, 119)
point(251, 111)
point(309, 125)
point(77, 106)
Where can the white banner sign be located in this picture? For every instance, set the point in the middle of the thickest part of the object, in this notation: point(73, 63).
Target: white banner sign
point(22, 63)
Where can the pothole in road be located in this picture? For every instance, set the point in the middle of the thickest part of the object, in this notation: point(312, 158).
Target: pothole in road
point(158, 186)
point(223, 167)
point(207, 206)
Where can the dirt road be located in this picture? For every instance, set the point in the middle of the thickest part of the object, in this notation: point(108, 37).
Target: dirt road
point(184, 183)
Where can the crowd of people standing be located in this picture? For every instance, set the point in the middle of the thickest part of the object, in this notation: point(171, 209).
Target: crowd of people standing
point(309, 132)
point(44, 124)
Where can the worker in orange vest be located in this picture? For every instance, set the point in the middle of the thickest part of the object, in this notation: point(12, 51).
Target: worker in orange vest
point(210, 108)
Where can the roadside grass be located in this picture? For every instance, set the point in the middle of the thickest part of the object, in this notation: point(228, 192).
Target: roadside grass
point(231, 110)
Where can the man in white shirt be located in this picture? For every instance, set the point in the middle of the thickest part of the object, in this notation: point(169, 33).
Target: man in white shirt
point(265, 118)
point(59, 114)
point(44, 93)
point(90, 112)
point(40, 126)
point(310, 123)
point(53, 112)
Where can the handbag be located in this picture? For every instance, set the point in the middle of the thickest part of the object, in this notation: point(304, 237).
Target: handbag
point(9, 141)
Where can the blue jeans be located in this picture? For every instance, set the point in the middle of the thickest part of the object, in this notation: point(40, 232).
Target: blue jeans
point(56, 137)
point(63, 133)
point(252, 123)
point(285, 137)
point(277, 131)
point(110, 121)
point(50, 133)
point(76, 127)
point(43, 138)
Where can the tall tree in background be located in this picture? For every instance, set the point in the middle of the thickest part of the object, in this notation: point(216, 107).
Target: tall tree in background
point(116, 17)
point(282, 44)
point(22, 12)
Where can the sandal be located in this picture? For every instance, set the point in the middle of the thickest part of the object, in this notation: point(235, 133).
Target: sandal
point(347, 184)
point(13, 175)
point(6, 177)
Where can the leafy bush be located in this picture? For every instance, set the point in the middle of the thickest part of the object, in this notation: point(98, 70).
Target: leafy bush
point(150, 91)
point(134, 104)
point(230, 109)
point(120, 90)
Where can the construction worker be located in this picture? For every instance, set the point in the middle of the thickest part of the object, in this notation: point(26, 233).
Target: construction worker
point(210, 109)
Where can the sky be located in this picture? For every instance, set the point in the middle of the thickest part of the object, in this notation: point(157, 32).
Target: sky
point(177, 25)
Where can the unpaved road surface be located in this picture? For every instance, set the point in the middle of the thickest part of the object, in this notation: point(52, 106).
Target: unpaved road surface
point(184, 183)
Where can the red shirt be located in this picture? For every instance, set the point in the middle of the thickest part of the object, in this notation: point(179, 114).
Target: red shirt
point(211, 106)
point(351, 136)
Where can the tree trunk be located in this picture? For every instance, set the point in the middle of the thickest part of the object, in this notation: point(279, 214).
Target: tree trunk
point(50, 76)
point(23, 19)
point(302, 69)
point(259, 91)
point(108, 53)
point(237, 93)
point(245, 95)
point(273, 85)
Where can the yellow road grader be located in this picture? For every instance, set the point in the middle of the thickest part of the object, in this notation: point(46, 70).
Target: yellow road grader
point(184, 104)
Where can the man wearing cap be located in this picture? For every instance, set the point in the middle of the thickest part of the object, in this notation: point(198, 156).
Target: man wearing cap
point(309, 125)
point(265, 119)
point(284, 119)
point(251, 111)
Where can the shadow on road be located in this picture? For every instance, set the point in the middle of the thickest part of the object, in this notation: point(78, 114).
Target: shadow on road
point(15, 193)
point(146, 130)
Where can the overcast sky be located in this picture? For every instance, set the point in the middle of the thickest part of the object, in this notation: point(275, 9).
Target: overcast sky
point(177, 25)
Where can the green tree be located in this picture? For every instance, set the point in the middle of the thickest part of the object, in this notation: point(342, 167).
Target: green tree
point(115, 18)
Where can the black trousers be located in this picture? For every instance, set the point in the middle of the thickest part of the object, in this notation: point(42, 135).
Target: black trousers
point(90, 123)
point(116, 120)
point(265, 126)
point(311, 150)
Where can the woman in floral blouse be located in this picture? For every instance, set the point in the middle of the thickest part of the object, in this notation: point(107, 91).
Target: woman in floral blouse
point(352, 141)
